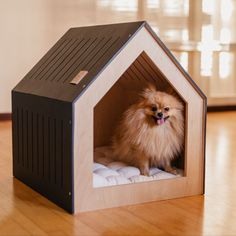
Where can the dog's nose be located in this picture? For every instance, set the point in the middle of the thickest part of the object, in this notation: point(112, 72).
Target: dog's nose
point(160, 114)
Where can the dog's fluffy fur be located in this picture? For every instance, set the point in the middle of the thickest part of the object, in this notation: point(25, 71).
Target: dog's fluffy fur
point(144, 139)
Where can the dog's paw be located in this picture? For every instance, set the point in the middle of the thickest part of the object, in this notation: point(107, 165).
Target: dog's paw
point(176, 172)
point(144, 171)
point(180, 172)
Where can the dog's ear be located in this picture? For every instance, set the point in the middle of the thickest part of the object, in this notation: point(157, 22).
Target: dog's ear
point(150, 88)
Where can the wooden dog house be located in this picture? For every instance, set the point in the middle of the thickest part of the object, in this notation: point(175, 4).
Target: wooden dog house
point(60, 114)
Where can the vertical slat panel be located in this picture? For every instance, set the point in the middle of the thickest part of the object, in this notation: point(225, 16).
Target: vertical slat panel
point(35, 146)
point(43, 146)
point(62, 152)
point(49, 150)
point(57, 152)
point(37, 143)
point(53, 151)
point(20, 140)
point(30, 140)
point(26, 138)
point(18, 135)
point(46, 148)
point(40, 146)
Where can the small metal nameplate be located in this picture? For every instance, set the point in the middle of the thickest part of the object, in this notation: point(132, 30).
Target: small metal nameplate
point(79, 77)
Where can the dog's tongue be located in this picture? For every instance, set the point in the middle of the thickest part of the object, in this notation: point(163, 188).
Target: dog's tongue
point(161, 121)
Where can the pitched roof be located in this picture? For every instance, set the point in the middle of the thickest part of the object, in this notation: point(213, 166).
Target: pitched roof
point(85, 48)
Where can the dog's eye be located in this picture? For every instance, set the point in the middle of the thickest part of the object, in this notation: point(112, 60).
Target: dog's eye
point(166, 108)
point(154, 108)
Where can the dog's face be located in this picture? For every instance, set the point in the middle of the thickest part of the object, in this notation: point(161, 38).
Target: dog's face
point(160, 107)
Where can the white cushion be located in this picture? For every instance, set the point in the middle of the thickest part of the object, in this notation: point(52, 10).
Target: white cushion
point(107, 172)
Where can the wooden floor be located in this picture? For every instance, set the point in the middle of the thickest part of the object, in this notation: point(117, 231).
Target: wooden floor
point(25, 212)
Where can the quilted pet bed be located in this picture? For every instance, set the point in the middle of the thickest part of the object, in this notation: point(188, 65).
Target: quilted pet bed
point(107, 172)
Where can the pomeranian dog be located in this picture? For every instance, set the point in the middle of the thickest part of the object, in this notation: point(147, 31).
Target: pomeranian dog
point(151, 132)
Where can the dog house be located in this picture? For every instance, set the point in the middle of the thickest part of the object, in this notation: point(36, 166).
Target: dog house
point(70, 102)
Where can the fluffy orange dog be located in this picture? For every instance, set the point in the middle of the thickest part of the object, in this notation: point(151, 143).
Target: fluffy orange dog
point(151, 132)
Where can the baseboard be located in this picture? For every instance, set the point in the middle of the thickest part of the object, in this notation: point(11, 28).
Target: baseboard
point(5, 116)
point(221, 108)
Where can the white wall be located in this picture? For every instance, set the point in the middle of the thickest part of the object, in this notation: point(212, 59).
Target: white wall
point(28, 29)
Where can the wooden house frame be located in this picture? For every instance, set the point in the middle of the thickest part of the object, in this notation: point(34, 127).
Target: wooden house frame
point(58, 114)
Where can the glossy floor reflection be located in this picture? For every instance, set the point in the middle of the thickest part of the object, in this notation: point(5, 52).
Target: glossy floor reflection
point(25, 212)
point(220, 196)
point(202, 34)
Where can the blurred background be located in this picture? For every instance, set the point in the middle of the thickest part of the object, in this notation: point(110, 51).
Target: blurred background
point(200, 33)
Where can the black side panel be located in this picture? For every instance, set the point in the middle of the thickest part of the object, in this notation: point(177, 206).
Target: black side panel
point(42, 146)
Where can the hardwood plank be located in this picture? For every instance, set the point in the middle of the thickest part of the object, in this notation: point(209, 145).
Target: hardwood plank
point(10, 227)
point(25, 212)
point(118, 221)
